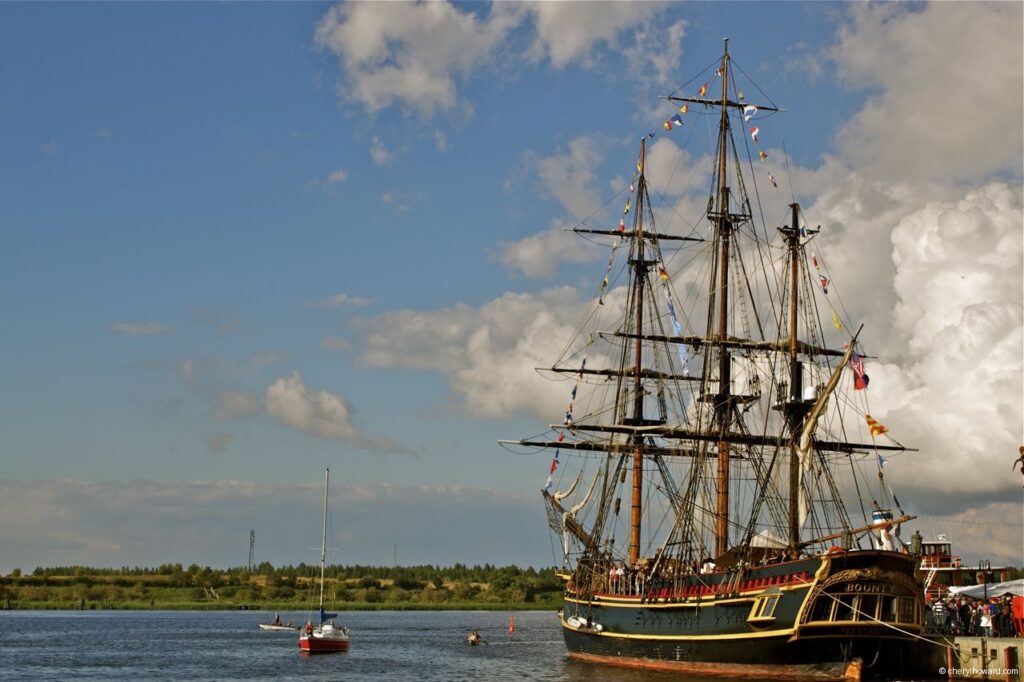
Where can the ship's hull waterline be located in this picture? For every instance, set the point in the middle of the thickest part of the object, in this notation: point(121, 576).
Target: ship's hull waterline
point(840, 616)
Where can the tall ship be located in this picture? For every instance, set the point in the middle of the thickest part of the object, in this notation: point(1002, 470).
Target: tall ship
point(717, 483)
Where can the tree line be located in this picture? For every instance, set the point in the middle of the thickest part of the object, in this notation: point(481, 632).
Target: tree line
point(282, 587)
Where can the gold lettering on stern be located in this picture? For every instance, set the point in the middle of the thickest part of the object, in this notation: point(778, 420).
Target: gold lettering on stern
point(873, 588)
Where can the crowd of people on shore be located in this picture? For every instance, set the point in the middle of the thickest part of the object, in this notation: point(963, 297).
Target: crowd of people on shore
point(964, 616)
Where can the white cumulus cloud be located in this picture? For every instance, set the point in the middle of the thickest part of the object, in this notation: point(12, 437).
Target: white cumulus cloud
point(419, 54)
point(414, 53)
point(959, 325)
point(488, 355)
point(950, 83)
point(318, 413)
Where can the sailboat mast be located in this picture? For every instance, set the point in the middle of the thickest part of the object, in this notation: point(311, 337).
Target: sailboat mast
point(723, 403)
point(640, 275)
point(795, 383)
point(323, 545)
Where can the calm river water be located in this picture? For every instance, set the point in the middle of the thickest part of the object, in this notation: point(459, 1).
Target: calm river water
point(228, 645)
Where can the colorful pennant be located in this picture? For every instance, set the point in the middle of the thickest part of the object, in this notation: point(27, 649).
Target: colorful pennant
point(875, 427)
point(836, 322)
point(677, 328)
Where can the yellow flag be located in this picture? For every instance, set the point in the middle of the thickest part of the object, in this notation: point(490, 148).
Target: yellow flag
point(836, 321)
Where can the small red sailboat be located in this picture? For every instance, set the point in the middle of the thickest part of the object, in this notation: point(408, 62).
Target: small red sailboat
point(327, 637)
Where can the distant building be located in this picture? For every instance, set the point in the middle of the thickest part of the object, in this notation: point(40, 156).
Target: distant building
point(942, 569)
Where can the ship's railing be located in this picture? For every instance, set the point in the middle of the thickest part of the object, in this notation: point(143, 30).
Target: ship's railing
point(636, 583)
point(939, 561)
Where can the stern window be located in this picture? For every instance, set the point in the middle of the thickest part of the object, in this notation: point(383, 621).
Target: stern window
point(822, 608)
point(907, 610)
point(867, 607)
point(844, 607)
point(888, 611)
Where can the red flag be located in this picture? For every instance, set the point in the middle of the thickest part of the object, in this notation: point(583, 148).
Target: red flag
point(860, 379)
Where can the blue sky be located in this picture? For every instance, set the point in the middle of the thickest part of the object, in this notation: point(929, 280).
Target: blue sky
point(241, 242)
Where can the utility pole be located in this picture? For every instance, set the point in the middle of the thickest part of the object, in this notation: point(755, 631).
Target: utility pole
point(252, 550)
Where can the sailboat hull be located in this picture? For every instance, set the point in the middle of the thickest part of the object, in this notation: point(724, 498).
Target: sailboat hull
point(322, 645)
point(831, 617)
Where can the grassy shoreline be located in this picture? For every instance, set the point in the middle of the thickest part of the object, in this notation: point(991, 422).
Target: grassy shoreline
point(357, 588)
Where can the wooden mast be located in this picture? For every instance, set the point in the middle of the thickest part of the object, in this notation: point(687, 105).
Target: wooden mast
point(795, 383)
point(640, 276)
point(723, 403)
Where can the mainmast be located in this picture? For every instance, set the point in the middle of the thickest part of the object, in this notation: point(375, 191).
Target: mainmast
point(639, 277)
point(723, 401)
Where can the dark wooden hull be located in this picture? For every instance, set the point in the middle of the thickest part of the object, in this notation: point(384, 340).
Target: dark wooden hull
point(831, 617)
